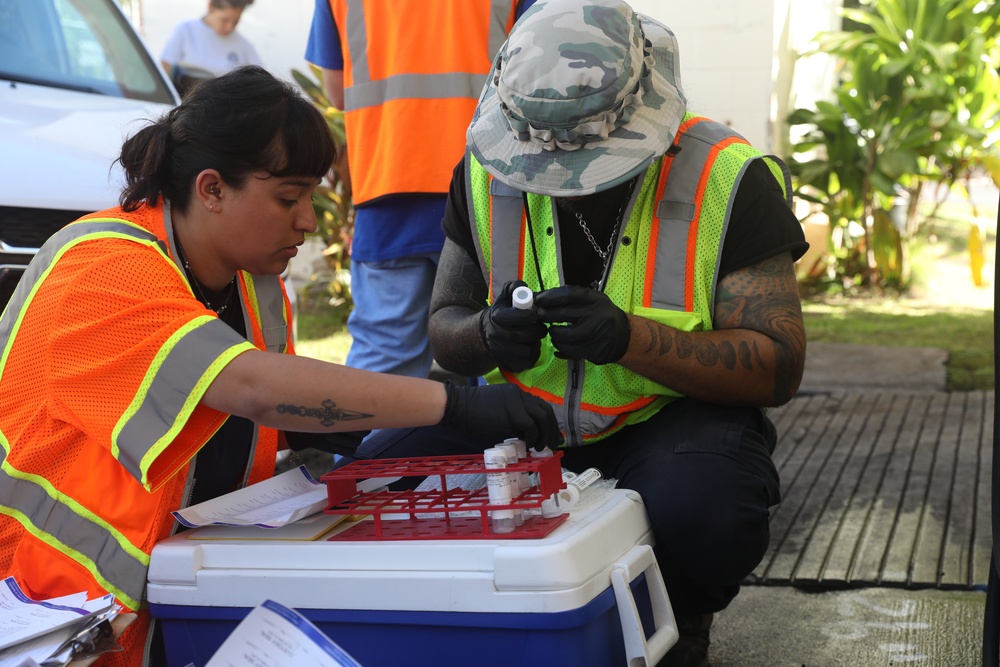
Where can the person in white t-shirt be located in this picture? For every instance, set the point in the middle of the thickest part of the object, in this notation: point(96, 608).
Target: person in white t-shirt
point(211, 43)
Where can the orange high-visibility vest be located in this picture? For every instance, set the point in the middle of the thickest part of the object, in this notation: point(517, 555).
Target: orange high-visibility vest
point(105, 354)
point(413, 72)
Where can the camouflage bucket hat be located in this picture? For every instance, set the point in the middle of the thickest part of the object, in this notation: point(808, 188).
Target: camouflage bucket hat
point(583, 96)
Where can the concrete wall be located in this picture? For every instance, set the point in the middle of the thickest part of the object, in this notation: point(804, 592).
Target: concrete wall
point(726, 46)
point(726, 50)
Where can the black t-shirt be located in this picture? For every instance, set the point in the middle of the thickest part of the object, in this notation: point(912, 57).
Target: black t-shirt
point(221, 463)
point(761, 225)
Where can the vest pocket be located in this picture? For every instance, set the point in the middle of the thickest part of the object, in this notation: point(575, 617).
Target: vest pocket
point(676, 210)
point(677, 319)
point(275, 338)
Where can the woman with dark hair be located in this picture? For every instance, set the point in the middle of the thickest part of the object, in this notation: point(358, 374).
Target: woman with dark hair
point(146, 362)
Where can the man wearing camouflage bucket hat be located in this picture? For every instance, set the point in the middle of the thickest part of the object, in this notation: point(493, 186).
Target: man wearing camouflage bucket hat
point(659, 246)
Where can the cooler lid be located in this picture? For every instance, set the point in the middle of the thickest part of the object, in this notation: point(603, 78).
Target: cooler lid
point(603, 526)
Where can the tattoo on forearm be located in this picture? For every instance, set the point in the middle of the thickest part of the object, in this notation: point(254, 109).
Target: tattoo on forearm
point(684, 346)
point(761, 298)
point(459, 294)
point(328, 415)
point(745, 356)
point(459, 281)
point(727, 355)
point(708, 353)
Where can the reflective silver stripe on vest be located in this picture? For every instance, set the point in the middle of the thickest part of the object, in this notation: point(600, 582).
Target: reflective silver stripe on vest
point(676, 212)
point(357, 43)
point(507, 206)
point(365, 92)
point(271, 303)
point(91, 539)
point(173, 384)
point(500, 11)
point(274, 328)
point(470, 204)
point(413, 86)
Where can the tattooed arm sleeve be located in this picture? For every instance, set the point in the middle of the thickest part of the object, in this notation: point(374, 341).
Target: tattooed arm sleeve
point(755, 354)
point(458, 297)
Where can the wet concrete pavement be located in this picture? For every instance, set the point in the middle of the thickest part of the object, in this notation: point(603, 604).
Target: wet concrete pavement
point(783, 626)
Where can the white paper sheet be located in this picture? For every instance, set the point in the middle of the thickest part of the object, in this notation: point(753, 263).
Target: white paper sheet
point(273, 635)
point(33, 630)
point(272, 503)
point(37, 649)
point(22, 618)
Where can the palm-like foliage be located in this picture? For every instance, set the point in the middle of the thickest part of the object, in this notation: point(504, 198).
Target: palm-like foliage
point(332, 199)
point(917, 103)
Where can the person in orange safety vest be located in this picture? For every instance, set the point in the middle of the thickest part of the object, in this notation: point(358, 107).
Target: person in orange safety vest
point(146, 359)
point(407, 74)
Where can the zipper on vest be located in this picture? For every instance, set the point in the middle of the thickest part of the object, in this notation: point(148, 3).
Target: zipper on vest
point(573, 394)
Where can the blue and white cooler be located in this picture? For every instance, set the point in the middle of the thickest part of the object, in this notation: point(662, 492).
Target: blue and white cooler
point(587, 594)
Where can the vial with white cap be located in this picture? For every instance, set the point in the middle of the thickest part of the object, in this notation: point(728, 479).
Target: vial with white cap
point(576, 485)
point(498, 488)
point(523, 478)
point(510, 451)
point(523, 298)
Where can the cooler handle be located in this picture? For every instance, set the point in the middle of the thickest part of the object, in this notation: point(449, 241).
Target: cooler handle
point(640, 651)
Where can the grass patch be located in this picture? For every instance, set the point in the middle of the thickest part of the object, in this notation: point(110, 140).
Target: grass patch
point(942, 309)
point(967, 335)
point(321, 332)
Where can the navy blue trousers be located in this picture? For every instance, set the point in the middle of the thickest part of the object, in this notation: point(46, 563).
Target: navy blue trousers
point(704, 473)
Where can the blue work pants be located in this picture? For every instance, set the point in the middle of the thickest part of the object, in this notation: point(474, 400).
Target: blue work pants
point(388, 323)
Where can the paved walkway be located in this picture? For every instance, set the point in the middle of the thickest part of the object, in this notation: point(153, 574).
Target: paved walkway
point(880, 546)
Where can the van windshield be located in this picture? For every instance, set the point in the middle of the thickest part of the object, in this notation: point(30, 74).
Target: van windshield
point(85, 45)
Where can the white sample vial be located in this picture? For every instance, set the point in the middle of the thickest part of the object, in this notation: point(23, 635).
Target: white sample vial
point(523, 298)
point(534, 478)
point(510, 451)
point(576, 485)
point(523, 478)
point(521, 445)
point(498, 487)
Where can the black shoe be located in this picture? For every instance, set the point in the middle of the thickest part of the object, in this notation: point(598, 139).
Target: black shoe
point(691, 649)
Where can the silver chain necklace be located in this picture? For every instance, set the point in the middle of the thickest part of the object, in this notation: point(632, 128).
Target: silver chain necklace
point(201, 292)
point(204, 299)
point(605, 255)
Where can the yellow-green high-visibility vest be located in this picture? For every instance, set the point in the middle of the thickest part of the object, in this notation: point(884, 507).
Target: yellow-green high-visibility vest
point(664, 267)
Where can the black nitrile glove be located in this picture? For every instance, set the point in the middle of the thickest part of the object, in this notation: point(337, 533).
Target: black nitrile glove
point(502, 407)
point(512, 336)
point(584, 324)
point(343, 443)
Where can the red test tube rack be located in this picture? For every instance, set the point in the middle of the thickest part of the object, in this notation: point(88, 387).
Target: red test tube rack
point(402, 515)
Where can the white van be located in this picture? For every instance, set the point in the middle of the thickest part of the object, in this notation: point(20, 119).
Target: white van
point(75, 80)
